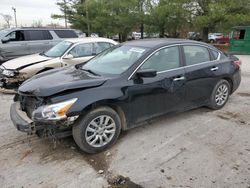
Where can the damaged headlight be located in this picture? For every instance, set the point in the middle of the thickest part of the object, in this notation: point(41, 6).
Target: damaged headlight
point(54, 111)
point(9, 73)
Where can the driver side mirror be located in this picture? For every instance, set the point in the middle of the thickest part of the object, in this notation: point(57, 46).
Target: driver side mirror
point(68, 56)
point(5, 40)
point(146, 73)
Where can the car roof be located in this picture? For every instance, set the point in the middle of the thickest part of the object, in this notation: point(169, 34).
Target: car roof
point(151, 43)
point(90, 39)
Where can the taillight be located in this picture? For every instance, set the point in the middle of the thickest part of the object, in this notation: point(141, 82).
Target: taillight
point(237, 63)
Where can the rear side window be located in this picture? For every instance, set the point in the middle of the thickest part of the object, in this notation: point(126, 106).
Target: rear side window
point(66, 34)
point(38, 35)
point(82, 50)
point(196, 54)
point(164, 59)
point(215, 54)
point(101, 46)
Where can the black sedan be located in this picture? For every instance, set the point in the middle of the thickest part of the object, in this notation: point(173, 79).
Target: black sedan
point(123, 86)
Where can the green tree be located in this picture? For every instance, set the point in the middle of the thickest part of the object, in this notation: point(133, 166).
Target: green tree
point(211, 15)
point(167, 17)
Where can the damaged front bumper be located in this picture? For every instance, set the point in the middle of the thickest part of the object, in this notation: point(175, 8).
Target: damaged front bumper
point(10, 82)
point(53, 129)
point(20, 119)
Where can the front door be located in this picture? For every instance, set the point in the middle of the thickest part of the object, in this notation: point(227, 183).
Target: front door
point(16, 46)
point(150, 97)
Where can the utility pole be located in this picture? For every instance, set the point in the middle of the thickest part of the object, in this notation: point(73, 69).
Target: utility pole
point(65, 13)
point(14, 9)
point(87, 16)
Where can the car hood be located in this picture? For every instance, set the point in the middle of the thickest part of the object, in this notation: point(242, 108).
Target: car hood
point(59, 80)
point(21, 62)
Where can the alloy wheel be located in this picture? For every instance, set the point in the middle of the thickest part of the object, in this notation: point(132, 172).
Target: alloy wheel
point(221, 94)
point(100, 131)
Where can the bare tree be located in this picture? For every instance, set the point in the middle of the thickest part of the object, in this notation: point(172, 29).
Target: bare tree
point(7, 18)
point(37, 23)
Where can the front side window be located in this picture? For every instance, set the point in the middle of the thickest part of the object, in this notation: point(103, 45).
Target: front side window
point(16, 36)
point(196, 54)
point(59, 49)
point(82, 50)
point(164, 59)
point(115, 61)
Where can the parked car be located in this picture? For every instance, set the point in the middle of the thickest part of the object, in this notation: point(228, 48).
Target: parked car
point(223, 40)
point(194, 36)
point(24, 41)
point(123, 86)
point(213, 37)
point(67, 52)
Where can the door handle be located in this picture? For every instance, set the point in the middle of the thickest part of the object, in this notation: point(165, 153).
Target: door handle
point(214, 68)
point(179, 78)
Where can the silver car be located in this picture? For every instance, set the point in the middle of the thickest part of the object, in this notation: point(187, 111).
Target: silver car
point(24, 41)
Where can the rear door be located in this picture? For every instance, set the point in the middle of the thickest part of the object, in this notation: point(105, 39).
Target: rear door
point(164, 93)
point(202, 73)
point(38, 40)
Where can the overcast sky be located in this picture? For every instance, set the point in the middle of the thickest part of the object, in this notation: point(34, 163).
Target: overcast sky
point(29, 11)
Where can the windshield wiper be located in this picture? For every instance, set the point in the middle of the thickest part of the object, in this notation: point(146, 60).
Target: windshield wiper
point(90, 71)
point(43, 54)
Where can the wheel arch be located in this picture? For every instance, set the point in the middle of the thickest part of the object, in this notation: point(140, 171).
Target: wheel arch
point(112, 104)
point(230, 81)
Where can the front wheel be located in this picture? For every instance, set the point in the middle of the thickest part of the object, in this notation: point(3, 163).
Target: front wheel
point(220, 95)
point(97, 130)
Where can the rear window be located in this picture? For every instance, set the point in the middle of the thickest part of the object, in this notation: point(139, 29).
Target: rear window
point(66, 34)
point(38, 35)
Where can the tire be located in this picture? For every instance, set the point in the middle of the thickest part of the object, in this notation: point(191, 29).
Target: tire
point(220, 95)
point(212, 41)
point(100, 124)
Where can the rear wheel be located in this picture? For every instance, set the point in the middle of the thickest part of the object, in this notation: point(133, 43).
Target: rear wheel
point(220, 95)
point(97, 130)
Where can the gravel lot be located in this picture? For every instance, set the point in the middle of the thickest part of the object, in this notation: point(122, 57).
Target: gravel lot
point(199, 148)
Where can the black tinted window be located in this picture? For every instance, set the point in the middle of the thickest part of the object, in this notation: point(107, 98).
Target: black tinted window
point(164, 59)
point(38, 35)
point(239, 34)
point(16, 36)
point(196, 54)
point(66, 33)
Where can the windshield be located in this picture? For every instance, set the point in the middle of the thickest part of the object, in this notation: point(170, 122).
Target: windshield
point(115, 61)
point(4, 32)
point(58, 50)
